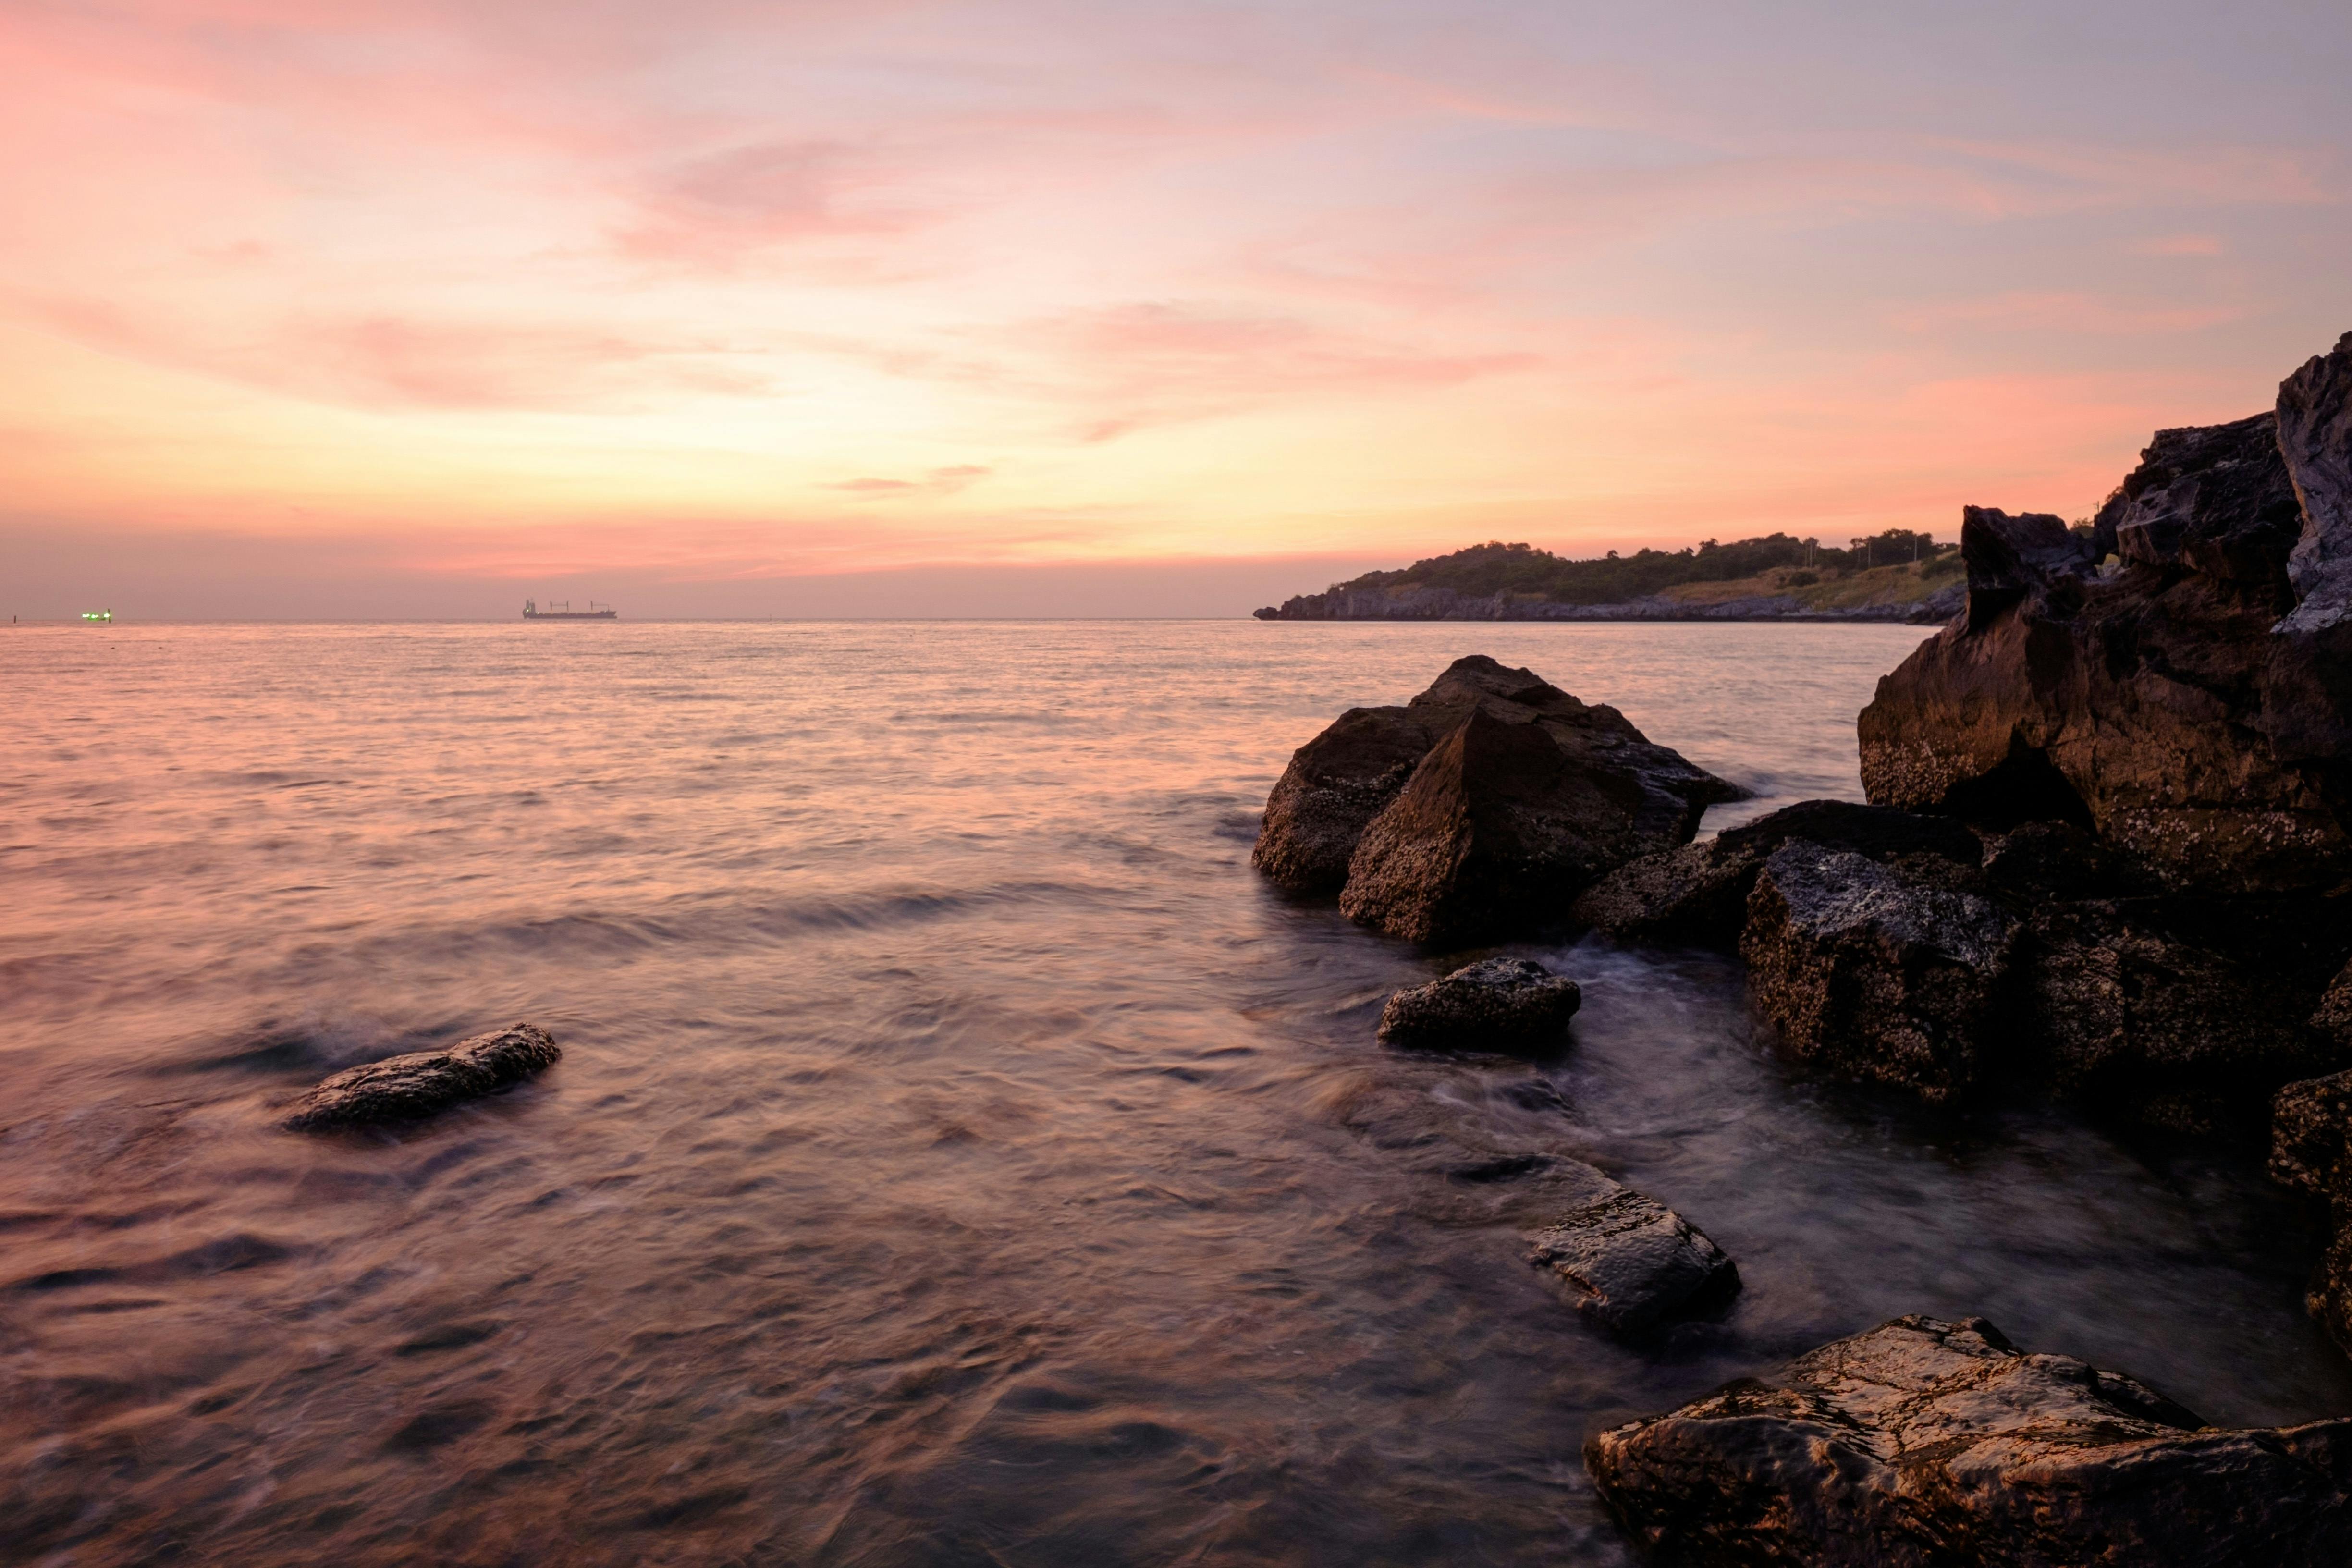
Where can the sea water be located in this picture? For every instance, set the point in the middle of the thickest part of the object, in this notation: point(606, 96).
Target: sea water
point(959, 1156)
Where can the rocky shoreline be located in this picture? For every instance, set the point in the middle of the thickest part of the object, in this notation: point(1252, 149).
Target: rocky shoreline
point(2107, 859)
point(1446, 604)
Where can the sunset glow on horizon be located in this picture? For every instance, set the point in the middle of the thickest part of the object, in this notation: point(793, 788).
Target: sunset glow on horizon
point(720, 292)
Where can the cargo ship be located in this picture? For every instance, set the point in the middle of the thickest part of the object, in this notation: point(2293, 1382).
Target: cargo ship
point(561, 610)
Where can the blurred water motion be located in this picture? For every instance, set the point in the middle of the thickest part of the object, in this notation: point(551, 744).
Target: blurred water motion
point(958, 1156)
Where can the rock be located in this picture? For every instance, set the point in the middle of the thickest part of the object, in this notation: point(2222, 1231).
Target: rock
point(401, 1088)
point(1497, 1002)
point(2184, 706)
point(2333, 1017)
point(1339, 781)
point(1698, 894)
point(1874, 977)
point(2311, 1136)
point(1923, 1443)
point(2214, 499)
point(2040, 861)
point(1334, 785)
point(2311, 1150)
point(1517, 796)
point(1941, 605)
point(2314, 438)
point(1633, 1262)
point(2139, 1010)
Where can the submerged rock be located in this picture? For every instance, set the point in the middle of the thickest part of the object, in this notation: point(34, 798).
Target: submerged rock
point(1698, 893)
point(1633, 1262)
point(1483, 803)
point(2311, 1149)
point(402, 1088)
point(1495, 1002)
point(1874, 977)
point(2190, 703)
point(1923, 1443)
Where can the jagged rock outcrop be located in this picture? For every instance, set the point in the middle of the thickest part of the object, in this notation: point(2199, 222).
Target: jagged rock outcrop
point(2314, 437)
point(1495, 1003)
point(2191, 702)
point(1518, 795)
point(1923, 1443)
point(402, 1088)
point(1631, 1263)
point(1871, 976)
point(1698, 894)
point(2311, 1150)
point(2214, 500)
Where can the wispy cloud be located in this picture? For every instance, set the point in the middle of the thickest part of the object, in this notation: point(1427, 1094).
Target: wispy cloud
point(905, 279)
point(401, 362)
point(940, 481)
point(1159, 361)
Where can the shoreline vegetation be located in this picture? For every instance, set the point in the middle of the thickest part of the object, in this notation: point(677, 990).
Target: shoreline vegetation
point(1899, 574)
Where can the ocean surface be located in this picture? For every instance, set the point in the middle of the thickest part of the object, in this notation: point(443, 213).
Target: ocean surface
point(958, 1156)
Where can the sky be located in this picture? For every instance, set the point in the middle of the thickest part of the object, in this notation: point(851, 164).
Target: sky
point(420, 307)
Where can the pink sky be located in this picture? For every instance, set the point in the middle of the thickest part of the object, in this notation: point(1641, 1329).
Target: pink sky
point(406, 307)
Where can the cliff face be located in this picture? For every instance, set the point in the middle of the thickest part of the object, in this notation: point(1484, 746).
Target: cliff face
point(1424, 603)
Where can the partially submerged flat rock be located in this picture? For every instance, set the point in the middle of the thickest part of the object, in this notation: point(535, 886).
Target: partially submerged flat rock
point(1632, 1262)
point(1496, 1002)
point(402, 1088)
point(1874, 977)
point(1481, 806)
point(1923, 1443)
point(1697, 894)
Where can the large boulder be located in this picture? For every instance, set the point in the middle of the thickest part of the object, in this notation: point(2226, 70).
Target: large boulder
point(1482, 805)
point(2191, 700)
point(1697, 894)
point(1496, 1002)
point(1923, 1443)
point(2173, 1013)
point(402, 1088)
point(1631, 1263)
point(1334, 787)
point(1870, 975)
point(2311, 1150)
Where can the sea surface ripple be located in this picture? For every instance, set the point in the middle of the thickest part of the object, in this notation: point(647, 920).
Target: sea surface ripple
point(958, 1156)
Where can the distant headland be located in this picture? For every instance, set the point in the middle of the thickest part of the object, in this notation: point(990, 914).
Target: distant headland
point(1896, 575)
